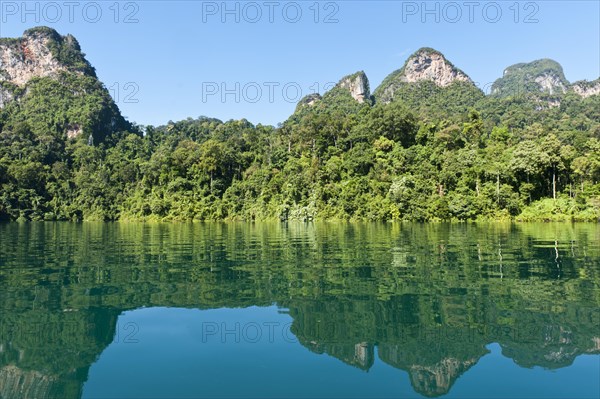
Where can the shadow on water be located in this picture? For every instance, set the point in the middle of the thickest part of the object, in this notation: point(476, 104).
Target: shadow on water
point(426, 299)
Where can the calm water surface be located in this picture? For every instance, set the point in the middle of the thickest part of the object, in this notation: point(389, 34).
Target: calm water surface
point(299, 310)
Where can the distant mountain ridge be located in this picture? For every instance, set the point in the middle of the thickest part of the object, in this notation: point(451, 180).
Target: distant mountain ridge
point(42, 53)
point(544, 76)
point(540, 76)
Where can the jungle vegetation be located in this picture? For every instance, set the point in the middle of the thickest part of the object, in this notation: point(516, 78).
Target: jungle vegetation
point(432, 154)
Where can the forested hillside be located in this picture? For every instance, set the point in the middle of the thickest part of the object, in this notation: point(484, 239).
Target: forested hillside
point(428, 145)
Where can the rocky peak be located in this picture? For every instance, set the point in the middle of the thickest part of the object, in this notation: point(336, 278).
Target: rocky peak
point(586, 88)
point(429, 64)
point(350, 93)
point(40, 52)
point(358, 86)
point(426, 64)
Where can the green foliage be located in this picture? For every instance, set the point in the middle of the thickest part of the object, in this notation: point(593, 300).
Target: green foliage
point(72, 102)
point(431, 102)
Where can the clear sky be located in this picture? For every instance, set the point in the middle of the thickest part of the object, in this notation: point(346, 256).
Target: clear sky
point(169, 60)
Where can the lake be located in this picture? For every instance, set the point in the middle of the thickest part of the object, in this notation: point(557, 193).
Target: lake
point(323, 310)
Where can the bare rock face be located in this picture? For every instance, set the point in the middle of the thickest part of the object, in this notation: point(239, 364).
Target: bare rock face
point(74, 130)
point(5, 96)
point(358, 85)
point(28, 57)
point(550, 83)
point(40, 53)
point(586, 89)
point(431, 65)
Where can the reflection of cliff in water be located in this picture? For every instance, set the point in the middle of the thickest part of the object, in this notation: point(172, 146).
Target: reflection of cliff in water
point(434, 354)
point(47, 353)
point(429, 301)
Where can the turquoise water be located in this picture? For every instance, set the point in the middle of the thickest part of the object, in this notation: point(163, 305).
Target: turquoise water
point(113, 310)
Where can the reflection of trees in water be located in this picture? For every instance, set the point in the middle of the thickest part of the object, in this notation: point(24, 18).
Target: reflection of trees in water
point(429, 297)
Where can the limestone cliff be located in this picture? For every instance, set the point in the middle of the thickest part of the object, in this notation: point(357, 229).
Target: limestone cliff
point(424, 65)
point(48, 87)
point(586, 88)
point(40, 52)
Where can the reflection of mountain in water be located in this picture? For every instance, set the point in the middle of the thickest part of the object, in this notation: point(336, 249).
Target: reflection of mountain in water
point(430, 298)
point(435, 354)
point(47, 353)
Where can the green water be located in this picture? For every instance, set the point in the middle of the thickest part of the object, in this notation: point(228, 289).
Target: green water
point(299, 310)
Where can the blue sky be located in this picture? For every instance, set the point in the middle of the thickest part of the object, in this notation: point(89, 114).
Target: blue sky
point(172, 60)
